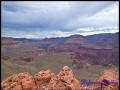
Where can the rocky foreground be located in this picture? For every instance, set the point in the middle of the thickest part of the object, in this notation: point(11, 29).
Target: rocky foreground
point(46, 80)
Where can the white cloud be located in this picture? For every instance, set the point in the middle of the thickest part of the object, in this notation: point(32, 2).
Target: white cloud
point(54, 19)
point(101, 19)
point(36, 33)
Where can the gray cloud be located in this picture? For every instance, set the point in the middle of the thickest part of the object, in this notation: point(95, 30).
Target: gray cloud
point(57, 16)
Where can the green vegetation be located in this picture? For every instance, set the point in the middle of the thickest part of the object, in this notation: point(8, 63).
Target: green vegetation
point(9, 68)
point(12, 63)
point(53, 62)
point(6, 58)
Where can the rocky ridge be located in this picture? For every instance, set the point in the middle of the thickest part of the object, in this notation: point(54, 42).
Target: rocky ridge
point(43, 80)
point(46, 80)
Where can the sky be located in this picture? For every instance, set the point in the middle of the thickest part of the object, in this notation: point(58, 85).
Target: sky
point(44, 19)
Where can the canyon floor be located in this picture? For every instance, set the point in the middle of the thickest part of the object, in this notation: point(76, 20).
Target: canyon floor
point(54, 62)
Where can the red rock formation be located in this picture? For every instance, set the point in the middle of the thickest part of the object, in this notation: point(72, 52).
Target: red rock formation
point(24, 81)
point(63, 47)
point(8, 41)
point(97, 56)
point(64, 81)
point(109, 79)
point(44, 80)
point(28, 83)
point(14, 82)
point(43, 77)
point(110, 75)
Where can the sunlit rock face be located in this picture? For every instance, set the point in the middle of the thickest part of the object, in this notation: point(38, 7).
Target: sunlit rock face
point(14, 82)
point(110, 75)
point(24, 81)
point(43, 77)
point(109, 79)
point(43, 80)
point(65, 80)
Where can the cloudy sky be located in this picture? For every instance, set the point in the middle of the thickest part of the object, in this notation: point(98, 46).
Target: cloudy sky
point(39, 19)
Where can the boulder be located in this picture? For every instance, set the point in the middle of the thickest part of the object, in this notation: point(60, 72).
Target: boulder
point(43, 80)
point(109, 79)
point(14, 82)
point(43, 77)
point(65, 80)
point(110, 75)
point(28, 83)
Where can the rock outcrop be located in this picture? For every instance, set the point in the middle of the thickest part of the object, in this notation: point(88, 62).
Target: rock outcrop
point(24, 81)
point(28, 83)
point(65, 80)
point(109, 80)
point(94, 56)
point(8, 41)
point(44, 80)
point(110, 75)
point(43, 77)
point(14, 82)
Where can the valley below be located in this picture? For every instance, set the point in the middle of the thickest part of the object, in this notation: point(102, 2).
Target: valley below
point(86, 58)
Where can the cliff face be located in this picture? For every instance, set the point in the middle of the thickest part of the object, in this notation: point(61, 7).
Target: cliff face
point(8, 41)
point(96, 56)
point(65, 80)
